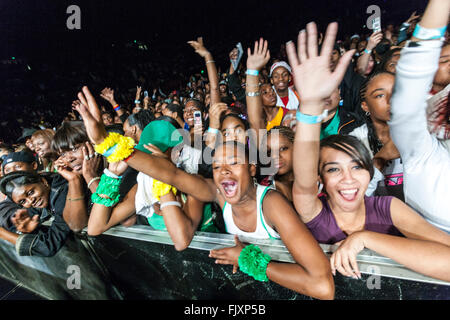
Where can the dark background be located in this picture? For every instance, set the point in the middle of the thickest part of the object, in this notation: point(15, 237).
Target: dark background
point(43, 64)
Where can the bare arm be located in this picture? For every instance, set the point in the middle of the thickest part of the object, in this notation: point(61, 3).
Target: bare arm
point(256, 61)
point(8, 236)
point(182, 223)
point(108, 95)
point(311, 275)
point(156, 167)
point(103, 218)
point(363, 61)
point(315, 82)
point(75, 212)
point(210, 67)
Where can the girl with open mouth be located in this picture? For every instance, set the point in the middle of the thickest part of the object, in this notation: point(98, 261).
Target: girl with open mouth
point(248, 209)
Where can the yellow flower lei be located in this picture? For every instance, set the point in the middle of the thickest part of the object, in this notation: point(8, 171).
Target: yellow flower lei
point(124, 146)
point(160, 189)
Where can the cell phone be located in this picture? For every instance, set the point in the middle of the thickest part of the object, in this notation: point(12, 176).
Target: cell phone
point(376, 24)
point(197, 119)
point(240, 53)
point(146, 93)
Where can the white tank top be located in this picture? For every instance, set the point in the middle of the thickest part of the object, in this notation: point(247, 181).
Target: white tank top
point(144, 199)
point(263, 230)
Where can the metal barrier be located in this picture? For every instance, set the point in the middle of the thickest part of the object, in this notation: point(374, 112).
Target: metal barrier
point(141, 263)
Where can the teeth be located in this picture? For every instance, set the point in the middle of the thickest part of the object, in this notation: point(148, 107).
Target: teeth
point(351, 191)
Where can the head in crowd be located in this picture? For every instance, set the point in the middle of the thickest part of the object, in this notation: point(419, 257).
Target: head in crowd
point(42, 142)
point(442, 76)
point(68, 142)
point(335, 57)
point(174, 111)
point(345, 170)
point(26, 138)
point(280, 76)
point(390, 59)
point(27, 189)
point(19, 161)
point(232, 173)
point(268, 95)
point(136, 122)
point(190, 107)
point(234, 128)
point(280, 144)
point(108, 118)
point(223, 88)
point(4, 151)
point(375, 102)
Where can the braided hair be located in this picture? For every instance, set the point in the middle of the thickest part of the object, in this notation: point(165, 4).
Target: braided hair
point(374, 143)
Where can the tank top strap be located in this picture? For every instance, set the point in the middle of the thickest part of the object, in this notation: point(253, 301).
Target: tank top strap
point(261, 192)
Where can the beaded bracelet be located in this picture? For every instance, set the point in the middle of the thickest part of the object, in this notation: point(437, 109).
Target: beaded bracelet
point(109, 189)
point(253, 262)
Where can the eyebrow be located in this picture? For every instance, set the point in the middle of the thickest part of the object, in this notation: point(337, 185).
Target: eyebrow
point(333, 162)
point(378, 89)
point(236, 126)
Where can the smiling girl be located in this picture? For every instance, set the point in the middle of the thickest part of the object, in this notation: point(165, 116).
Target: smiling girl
point(344, 213)
point(251, 209)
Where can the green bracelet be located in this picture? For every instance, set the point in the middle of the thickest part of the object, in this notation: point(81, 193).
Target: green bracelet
point(108, 187)
point(253, 262)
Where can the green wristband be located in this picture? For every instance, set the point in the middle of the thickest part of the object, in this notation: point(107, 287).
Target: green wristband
point(109, 187)
point(253, 262)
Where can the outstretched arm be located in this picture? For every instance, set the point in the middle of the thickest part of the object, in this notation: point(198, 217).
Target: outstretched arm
point(210, 67)
point(314, 82)
point(156, 167)
point(256, 61)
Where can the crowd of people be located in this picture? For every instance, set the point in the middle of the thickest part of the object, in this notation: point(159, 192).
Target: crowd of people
point(326, 142)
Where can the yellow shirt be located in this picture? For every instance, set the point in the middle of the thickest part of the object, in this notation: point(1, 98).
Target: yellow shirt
point(275, 121)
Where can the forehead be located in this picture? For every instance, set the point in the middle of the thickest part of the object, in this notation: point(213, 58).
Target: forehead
point(231, 122)
point(20, 192)
point(280, 70)
point(266, 87)
point(384, 80)
point(328, 154)
point(190, 105)
point(275, 138)
point(228, 151)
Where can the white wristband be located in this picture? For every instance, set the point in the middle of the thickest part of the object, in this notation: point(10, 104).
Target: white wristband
point(169, 203)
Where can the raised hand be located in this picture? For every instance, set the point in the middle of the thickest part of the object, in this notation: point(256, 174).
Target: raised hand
point(214, 114)
point(374, 40)
point(91, 115)
point(107, 94)
point(138, 92)
point(260, 56)
point(199, 47)
point(23, 222)
point(312, 74)
point(91, 162)
point(412, 17)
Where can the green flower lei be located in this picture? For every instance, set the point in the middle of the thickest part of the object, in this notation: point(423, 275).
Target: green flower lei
point(253, 262)
point(108, 187)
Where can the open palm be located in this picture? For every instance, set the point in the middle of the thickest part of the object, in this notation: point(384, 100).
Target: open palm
point(312, 74)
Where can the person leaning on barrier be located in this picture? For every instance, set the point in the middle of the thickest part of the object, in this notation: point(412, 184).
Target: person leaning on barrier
point(58, 195)
point(343, 215)
point(233, 186)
